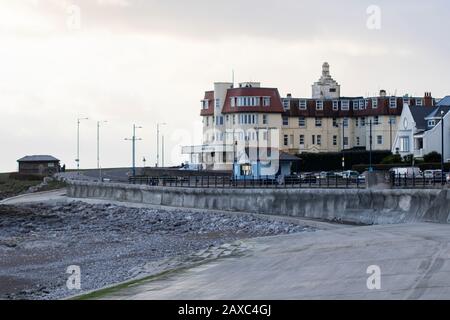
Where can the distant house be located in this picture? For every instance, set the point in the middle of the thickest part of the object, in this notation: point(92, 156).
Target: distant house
point(420, 130)
point(39, 165)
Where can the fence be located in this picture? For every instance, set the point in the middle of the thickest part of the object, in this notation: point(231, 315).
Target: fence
point(336, 182)
point(418, 181)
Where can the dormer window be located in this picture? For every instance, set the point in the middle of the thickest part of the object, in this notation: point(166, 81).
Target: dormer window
point(233, 102)
point(419, 102)
point(204, 104)
point(286, 104)
point(335, 105)
point(345, 105)
point(406, 100)
point(217, 103)
point(355, 105)
point(361, 104)
point(392, 102)
point(302, 105)
point(431, 123)
point(319, 105)
point(374, 103)
point(266, 101)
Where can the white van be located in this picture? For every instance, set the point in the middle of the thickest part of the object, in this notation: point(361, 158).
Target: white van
point(409, 172)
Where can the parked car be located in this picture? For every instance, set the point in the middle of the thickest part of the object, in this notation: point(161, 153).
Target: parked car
point(432, 174)
point(308, 177)
point(327, 175)
point(353, 176)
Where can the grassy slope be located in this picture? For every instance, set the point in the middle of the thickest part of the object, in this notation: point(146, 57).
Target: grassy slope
point(11, 187)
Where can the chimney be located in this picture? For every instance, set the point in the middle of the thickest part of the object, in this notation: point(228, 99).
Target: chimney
point(428, 100)
point(289, 95)
point(382, 93)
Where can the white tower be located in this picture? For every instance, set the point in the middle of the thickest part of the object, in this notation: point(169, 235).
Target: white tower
point(326, 87)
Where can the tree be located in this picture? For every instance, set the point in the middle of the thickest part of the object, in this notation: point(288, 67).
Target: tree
point(432, 157)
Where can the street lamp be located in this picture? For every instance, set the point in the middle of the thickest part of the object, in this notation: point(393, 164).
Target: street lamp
point(78, 143)
point(442, 147)
point(157, 141)
point(133, 140)
point(343, 144)
point(98, 150)
point(370, 143)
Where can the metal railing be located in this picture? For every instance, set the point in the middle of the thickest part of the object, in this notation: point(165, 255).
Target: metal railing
point(406, 180)
point(201, 181)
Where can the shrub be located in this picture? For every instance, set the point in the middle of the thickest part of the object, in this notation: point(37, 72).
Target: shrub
point(391, 159)
point(432, 157)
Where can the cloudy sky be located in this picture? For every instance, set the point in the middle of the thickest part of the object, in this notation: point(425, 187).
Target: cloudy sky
point(147, 61)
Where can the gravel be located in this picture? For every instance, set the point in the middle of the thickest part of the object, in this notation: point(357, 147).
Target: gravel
point(39, 241)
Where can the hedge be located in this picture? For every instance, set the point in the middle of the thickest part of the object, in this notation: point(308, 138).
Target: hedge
point(387, 167)
point(332, 161)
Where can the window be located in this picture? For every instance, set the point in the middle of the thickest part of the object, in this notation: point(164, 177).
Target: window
point(266, 101)
point(319, 139)
point(419, 102)
point(285, 121)
point(406, 100)
point(404, 144)
point(217, 103)
point(319, 105)
point(432, 123)
point(332, 89)
point(285, 139)
point(361, 104)
point(302, 140)
point(265, 119)
point(345, 121)
point(379, 139)
point(207, 121)
point(204, 104)
point(345, 141)
point(335, 123)
point(392, 102)
point(234, 119)
point(335, 105)
point(265, 134)
point(233, 102)
point(334, 140)
point(345, 105)
point(313, 139)
point(355, 105)
point(392, 120)
point(366, 103)
point(318, 122)
point(376, 120)
point(302, 105)
point(301, 122)
point(357, 122)
point(358, 141)
point(374, 103)
point(286, 104)
point(363, 121)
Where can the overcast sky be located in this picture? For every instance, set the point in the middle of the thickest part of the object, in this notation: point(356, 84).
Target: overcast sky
point(146, 61)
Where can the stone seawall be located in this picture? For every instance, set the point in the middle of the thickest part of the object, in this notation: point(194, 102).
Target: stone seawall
point(351, 206)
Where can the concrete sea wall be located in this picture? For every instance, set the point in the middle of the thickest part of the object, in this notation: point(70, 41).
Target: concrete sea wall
point(365, 206)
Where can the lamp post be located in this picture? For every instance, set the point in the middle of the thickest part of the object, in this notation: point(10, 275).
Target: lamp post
point(133, 140)
point(442, 147)
point(343, 144)
point(98, 150)
point(390, 133)
point(370, 143)
point(78, 143)
point(157, 141)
